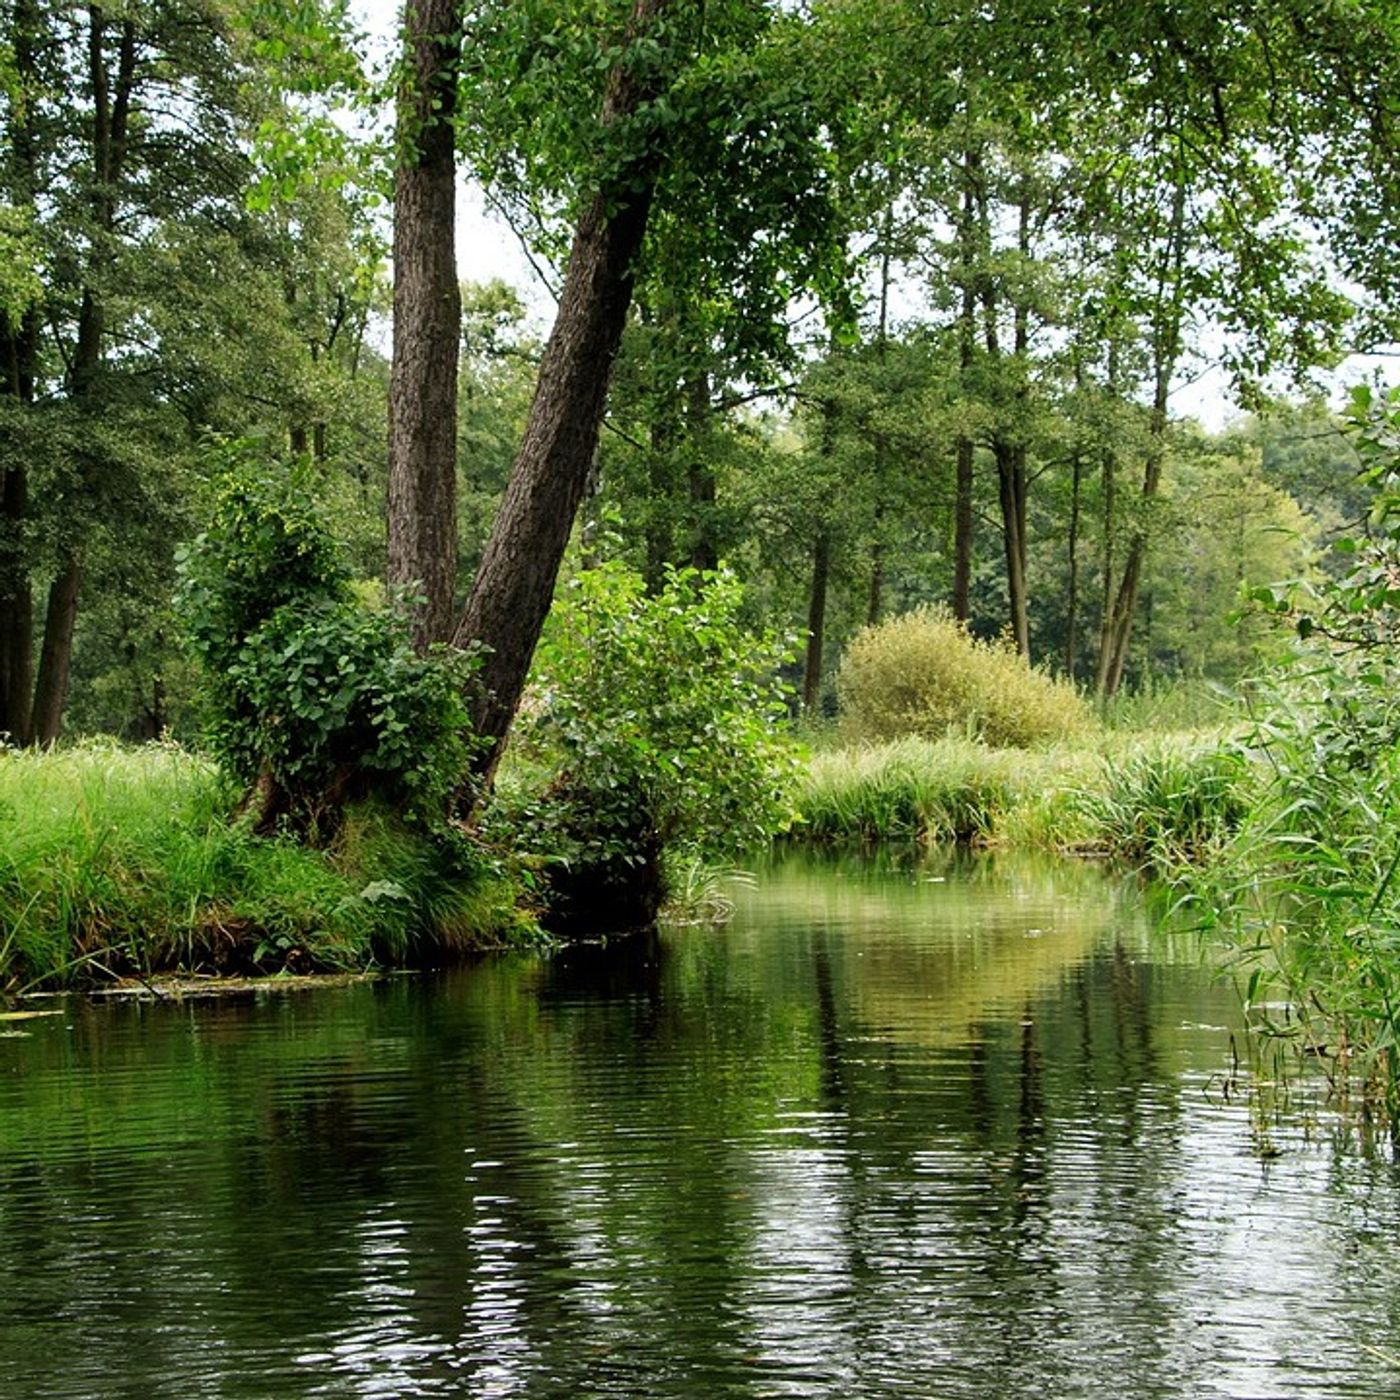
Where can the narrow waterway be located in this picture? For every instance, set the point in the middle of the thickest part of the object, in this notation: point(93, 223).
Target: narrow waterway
point(948, 1129)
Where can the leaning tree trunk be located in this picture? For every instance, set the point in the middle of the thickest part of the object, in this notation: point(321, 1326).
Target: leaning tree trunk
point(427, 325)
point(514, 585)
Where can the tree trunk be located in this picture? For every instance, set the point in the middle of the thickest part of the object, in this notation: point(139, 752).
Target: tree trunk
point(16, 610)
point(56, 657)
point(1011, 484)
point(816, 623)
point(427, 325)
point(967, 333)
point(1072, 589)
point(19, 349)
point(514, 585)
point(704, 551)
point(1166, 349)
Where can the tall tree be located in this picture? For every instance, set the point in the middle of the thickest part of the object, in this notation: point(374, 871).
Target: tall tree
point(427, 322)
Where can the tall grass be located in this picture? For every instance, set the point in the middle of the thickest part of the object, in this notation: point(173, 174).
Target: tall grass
point(1155, 801)
point(119, 860)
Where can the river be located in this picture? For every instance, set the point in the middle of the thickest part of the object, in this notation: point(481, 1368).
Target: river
point(951, 1128)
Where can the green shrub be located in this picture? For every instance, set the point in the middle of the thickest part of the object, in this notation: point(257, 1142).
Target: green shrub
point(923, 674)
point(309, 693)
point(662, 721)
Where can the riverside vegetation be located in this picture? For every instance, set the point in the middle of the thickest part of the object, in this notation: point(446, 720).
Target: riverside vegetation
point(1073, 227)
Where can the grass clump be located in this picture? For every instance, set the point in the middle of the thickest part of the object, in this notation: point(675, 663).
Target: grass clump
point(924, 675)
point(117, 862)
point(1167, 805)
point(912, 789)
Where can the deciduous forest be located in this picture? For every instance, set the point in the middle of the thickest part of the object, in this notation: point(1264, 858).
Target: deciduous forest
point(861, 417)
point(802, 799)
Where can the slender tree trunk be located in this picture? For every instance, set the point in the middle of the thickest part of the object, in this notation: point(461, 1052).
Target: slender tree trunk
point(967, 342)
point(1166, 349)
point(427, 324)
point(1072, 588)
point(700, 477)
point(111, 113)
point(1011, 476)
point(16, 610)
point(658, 532)
point(816, 623)
point(514, 585)
point(56, 656)
point(962, 532)
point(1109, 477)
point(19, 349)
point(875, 592)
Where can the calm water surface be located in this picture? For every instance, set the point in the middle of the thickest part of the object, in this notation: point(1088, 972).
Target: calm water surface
point(953, 1130)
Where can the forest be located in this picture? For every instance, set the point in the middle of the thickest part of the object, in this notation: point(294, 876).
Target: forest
point(853, 483)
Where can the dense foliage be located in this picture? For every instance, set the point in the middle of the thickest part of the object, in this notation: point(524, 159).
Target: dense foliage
point(311, 693)
point(924, 674)
point(658, 716)
point(1309, 888)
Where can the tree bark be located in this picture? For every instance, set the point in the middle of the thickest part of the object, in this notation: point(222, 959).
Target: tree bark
point(427, 325)
point(967, 340)
point(19, 351)
point(56, 656)
point(1166, 349)
point(816, 623)
point(16, 610)
point(1072, 589)
point(514, 585)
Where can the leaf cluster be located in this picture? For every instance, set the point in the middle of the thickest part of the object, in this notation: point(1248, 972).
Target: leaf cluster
point(305, 685)
point(663, 714)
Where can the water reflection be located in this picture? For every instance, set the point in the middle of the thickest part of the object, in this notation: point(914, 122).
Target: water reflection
point(936, 1129)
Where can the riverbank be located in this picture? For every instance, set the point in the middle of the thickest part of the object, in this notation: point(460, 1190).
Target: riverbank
point(1159, 800)
point(119, 862)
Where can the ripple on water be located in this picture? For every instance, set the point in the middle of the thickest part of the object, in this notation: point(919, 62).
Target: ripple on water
point(871, 1140)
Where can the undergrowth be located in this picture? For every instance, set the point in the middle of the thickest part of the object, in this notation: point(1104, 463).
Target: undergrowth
point(119, 861)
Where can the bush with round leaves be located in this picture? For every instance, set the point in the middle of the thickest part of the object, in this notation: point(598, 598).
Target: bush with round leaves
point(312, 697)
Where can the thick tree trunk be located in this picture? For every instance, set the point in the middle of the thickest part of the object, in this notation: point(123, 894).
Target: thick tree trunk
point(514, 585)
point(427, 325)
point(56, 657)
point(816, 623)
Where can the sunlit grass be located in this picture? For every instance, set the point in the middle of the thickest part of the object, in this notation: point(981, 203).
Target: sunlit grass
point(117, 861)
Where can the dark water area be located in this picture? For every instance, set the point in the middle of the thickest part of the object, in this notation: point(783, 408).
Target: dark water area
point(948, 1130)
